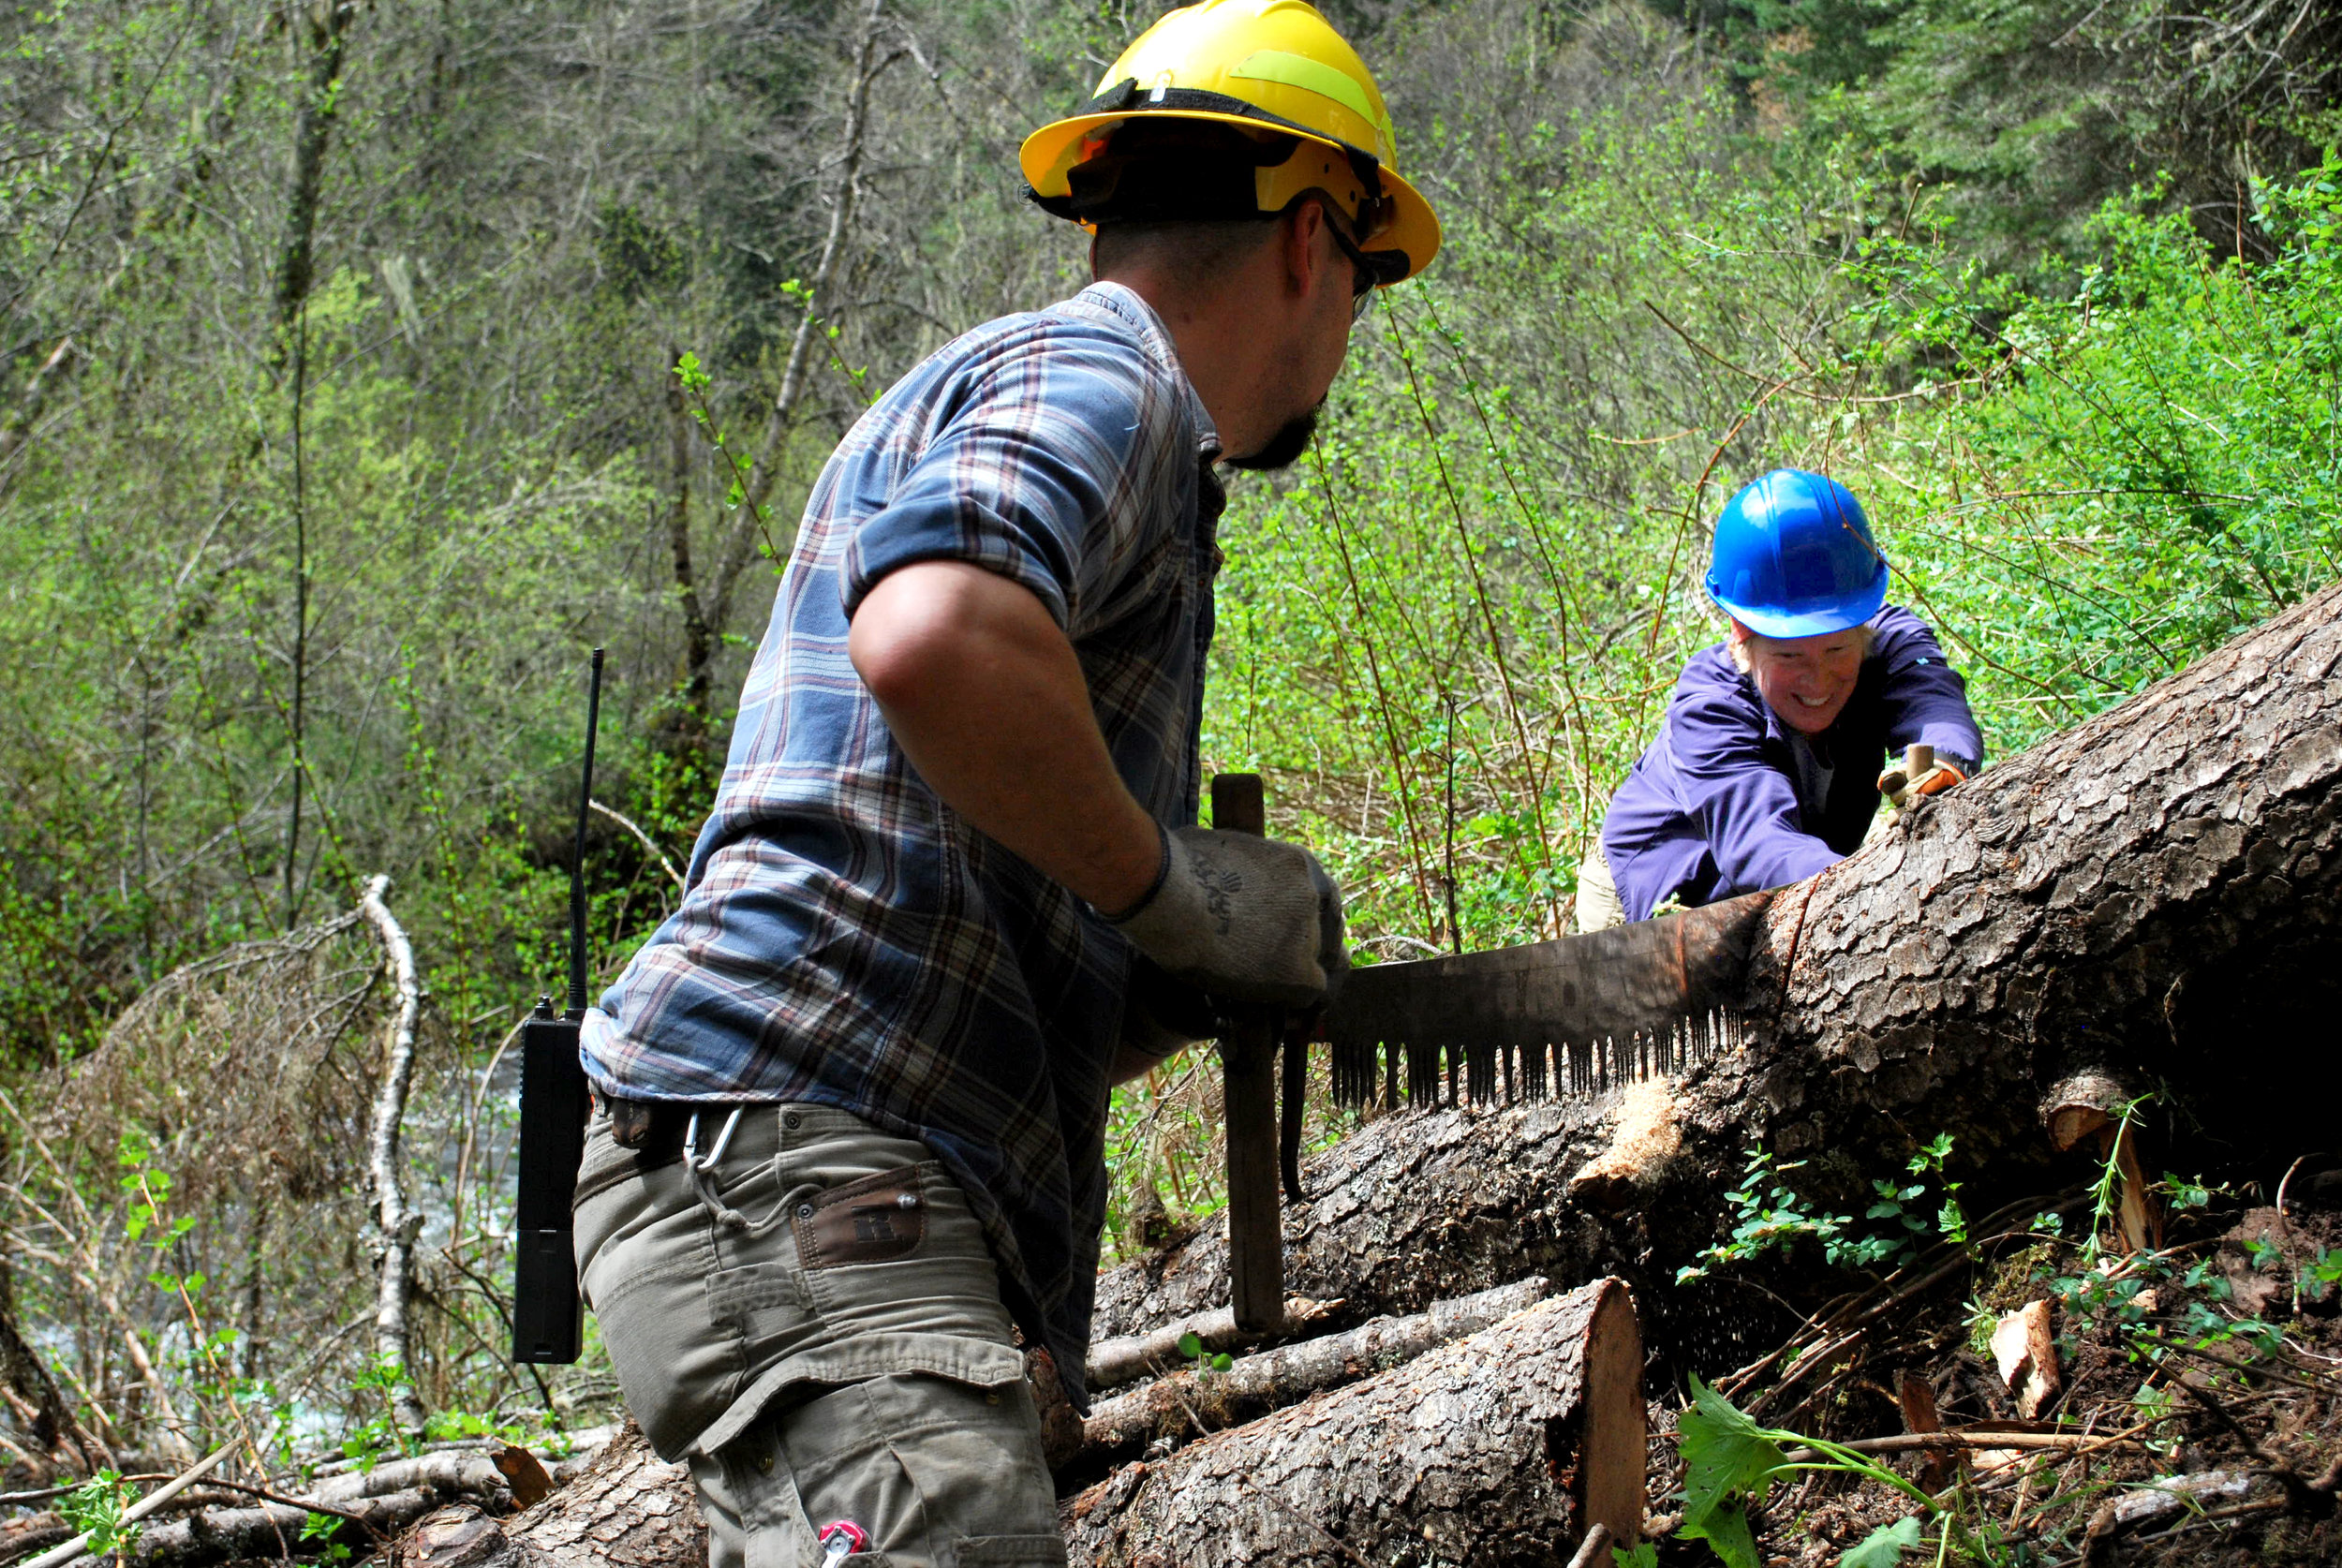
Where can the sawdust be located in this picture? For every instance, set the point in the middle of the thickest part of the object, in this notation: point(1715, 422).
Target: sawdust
point(1644, 1137)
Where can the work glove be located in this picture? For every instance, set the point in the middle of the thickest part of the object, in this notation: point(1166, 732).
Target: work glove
point(1162, 1016)
point(1901, 782)
point(1243, 919)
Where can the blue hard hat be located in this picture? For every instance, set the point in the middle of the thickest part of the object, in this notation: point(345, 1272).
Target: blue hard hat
point(1794, 557)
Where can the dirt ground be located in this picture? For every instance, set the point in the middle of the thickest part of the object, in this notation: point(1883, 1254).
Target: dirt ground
point(2197, 1397)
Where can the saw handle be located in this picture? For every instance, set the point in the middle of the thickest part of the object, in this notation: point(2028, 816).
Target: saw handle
point(1248, 1061)
point(1919, 761)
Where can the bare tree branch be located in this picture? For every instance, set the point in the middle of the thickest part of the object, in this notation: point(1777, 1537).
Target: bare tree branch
point(397, 1225)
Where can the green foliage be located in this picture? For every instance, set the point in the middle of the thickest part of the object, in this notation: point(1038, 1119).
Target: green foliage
point(382, 1432)
point(2316, 1279)
point(1907, 1204)
point(95, 1507)
point(1765, 1216)
point(1884, 1546)
point(1729, 1463)
point(1768, 1215)
point(1192, 1348)
point(321, 1528)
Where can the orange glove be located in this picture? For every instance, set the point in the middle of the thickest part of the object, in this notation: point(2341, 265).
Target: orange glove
point(1918, 774)
point(1942, 779)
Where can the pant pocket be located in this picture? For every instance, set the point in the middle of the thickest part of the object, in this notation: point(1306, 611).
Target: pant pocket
point(901, 1252)
point(922, 1463)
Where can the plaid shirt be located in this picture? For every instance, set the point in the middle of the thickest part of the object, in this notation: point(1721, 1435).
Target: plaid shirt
point(845, 938)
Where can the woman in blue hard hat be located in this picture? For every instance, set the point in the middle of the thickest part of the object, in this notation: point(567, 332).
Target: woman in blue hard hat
point(1766, 768)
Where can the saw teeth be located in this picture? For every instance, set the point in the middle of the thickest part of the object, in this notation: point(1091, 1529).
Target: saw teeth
point(1512, 1073)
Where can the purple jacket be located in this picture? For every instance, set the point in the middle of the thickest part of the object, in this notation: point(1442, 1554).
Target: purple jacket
point(1729, 800)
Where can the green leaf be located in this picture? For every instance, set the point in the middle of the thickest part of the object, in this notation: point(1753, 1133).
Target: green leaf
point(1726, 1531)
point(1728, 1458)
point(1642, 1554)
point(1222, 1362)
point(1190, 1346)
point(1884, 1546)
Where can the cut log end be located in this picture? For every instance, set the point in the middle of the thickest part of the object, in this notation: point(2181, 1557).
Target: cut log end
point(1613, 1444)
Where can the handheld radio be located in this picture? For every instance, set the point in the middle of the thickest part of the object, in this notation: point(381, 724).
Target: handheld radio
point(548, 1322)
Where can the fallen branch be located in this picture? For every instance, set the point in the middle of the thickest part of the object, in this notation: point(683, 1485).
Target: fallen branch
point(1132, 1356)
point(272, 1530)
point(57, 1556)
point(1964, 1437)
point(1175, 1405)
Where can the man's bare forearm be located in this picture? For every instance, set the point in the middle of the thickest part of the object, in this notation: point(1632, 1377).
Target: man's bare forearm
point(986, 697)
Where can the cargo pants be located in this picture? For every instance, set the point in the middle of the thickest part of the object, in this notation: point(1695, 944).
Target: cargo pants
point(807, 1309)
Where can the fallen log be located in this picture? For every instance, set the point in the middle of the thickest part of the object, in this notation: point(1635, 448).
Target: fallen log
point(215, 1520)
point(274, 1530)
point(1503, 1446)
point(1115, 1362)
point(628, 1508)
point(2130, 900)
point(1516, 1437)
point(1174, 1407)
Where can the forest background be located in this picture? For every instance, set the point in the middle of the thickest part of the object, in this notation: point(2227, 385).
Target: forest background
point(340, 416)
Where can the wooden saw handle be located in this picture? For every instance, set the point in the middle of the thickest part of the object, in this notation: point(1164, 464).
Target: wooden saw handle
point(1248, 1061)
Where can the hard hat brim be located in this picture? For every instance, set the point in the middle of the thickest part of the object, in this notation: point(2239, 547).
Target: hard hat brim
point(1815, 621)
point(1412, 230)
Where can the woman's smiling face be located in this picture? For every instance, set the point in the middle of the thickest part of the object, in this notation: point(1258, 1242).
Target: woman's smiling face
point(1806, 680)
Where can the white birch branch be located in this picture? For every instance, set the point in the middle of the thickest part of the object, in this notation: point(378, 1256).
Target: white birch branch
point(57, 1556)
point(399, 1224)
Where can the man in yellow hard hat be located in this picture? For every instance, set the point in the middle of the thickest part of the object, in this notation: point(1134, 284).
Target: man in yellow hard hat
point(850, 1098)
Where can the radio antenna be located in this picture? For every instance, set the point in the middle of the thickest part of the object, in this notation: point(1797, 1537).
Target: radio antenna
point(577, 855)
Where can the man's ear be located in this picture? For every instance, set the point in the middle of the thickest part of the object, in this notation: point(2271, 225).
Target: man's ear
point(1302, 221)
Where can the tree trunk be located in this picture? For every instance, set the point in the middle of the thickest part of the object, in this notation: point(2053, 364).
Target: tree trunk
point(327, 24)
point(821, 305)
point(1503, 1447)
point(2141, 896)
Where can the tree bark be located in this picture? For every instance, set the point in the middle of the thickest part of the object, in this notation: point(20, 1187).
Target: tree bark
point(2140, 898)
point(1503, 1447)
point(629, 1509)
point(327, 24)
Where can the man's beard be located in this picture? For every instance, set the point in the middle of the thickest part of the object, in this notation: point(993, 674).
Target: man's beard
point(1284, 449)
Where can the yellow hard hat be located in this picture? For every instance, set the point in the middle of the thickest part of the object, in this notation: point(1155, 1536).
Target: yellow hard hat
point(1273, 67)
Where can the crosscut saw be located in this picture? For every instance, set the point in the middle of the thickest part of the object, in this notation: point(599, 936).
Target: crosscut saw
point(1577, 1016)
